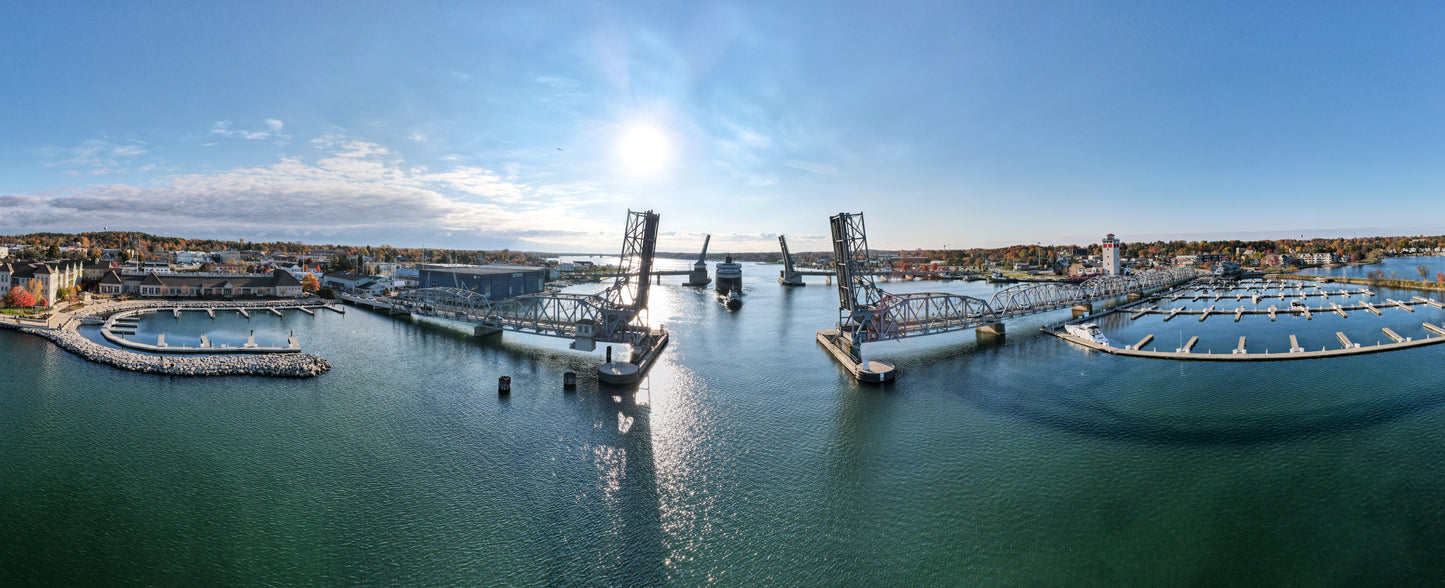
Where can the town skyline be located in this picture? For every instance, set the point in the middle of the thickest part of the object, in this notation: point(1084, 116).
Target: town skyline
point(536, 127)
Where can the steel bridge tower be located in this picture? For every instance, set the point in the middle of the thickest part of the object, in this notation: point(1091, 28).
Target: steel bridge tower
point(858, 296)
point(698, 277)
point(627, 298)
point(789, 276)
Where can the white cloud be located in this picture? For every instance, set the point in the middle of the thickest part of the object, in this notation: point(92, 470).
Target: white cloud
point(274, 124)
point(417, 136)
point(359, 189)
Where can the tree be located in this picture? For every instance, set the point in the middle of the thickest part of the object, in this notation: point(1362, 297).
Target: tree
point(1424, 271)
point(33, 287)
point(326, 292)
point(310, 283)
point(18, 297)
point(1375, 275)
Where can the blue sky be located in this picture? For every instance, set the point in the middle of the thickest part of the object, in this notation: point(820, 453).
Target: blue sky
point(491, 125)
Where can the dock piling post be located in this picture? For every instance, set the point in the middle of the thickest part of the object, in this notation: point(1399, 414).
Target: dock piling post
point(504, 385)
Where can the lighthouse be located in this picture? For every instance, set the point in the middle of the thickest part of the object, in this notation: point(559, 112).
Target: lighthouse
point(1111, 256)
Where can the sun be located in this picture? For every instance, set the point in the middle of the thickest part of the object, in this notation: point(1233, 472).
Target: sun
point(643, 150)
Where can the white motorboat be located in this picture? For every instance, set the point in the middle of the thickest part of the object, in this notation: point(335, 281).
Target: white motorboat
point(1089, 331)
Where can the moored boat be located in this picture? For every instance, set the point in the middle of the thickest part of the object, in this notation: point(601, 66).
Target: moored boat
point(1088, 331)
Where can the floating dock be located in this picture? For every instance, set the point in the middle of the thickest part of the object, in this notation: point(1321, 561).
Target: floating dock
point(1143, 342)
point(1422, 299)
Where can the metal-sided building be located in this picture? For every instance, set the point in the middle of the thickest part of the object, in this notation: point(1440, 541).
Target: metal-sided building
point(496, 282)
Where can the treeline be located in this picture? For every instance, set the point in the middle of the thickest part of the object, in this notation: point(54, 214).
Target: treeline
point(90, 246)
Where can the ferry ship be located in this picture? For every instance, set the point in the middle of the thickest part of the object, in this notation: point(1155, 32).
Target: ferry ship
point(730, 282)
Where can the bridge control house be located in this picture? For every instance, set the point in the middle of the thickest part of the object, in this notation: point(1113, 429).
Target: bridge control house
point(496, 281)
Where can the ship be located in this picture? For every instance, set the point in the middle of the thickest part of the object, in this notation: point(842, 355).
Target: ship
point(730, 282)
point(1087, 331)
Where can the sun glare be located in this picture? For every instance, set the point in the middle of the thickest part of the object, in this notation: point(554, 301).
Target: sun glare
point(643, 150)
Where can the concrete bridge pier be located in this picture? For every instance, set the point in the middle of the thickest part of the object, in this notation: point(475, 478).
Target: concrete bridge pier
point(1082, 309)
point(697, 277)
point(1135, 296)
point(792, 278)
point(989, 332)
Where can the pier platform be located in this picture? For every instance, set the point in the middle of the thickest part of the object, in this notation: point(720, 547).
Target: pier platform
point(863, 370)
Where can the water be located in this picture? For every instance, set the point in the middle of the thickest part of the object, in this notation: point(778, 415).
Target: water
point(1394, 268)
point(747, 457)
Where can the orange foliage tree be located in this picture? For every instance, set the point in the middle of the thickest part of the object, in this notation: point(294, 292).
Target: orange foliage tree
point(18, 297)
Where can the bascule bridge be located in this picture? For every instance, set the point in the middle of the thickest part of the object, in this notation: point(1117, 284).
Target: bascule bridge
point(868, 314)
point(617, 314)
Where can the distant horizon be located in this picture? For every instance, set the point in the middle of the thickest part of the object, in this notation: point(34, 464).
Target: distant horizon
point(1296, 235)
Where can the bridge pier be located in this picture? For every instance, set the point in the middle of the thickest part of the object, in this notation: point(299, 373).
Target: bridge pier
point(698, 277)
point(792, 278)
point(841, 348)
point(989, 331)
point(1082, 309)
point(1135, 296)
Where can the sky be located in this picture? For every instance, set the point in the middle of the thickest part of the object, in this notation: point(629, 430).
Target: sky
point(537, 125)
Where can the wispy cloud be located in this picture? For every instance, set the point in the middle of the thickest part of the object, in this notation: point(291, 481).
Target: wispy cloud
point(272, 131)
point(92, 157)
point(810, 166)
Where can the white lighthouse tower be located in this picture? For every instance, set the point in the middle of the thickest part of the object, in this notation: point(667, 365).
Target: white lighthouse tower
point(1111, 256)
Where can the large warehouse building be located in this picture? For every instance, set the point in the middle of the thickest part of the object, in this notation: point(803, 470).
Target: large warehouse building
point(497, 282)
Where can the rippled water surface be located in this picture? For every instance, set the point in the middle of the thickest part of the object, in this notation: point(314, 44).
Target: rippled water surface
point(747, 457)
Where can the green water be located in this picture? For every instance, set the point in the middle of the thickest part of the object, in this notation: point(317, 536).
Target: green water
point(746, 458)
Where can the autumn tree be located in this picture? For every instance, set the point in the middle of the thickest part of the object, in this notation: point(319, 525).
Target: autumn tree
point(19, 297)
point(310, 283)
point(1424, 271)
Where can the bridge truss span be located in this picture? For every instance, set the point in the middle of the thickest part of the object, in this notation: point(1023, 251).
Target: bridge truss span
point(454, 303)
point(1030, 298)
point(925, 313)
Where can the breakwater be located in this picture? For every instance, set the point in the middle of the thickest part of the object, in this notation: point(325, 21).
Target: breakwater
point(293, 365)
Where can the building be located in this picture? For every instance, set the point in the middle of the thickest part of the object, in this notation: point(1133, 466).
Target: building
point(277, 283)
point(4, 252)
point(1112, 267)
point(497, 281)
point(349, 282)
point(1318, 258)
point(95, 270)
point(52, 275)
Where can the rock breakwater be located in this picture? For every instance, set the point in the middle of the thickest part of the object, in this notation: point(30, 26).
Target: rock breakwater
point(293, 365)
